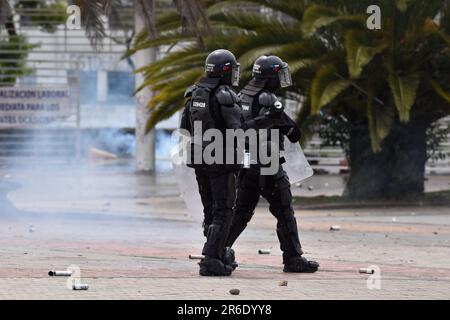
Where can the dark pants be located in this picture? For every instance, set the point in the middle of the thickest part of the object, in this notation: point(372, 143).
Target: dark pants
point(277, 191)
point(217, 191)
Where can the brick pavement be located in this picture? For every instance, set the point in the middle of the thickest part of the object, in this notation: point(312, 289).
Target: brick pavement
point(132, 246)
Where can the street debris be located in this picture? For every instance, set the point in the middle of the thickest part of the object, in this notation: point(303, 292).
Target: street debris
point(298, 185)
point(95, 153)
point(196, 256)
point(264, 251)
point(283, 283)
point(80, 287)
point(31, 228)
point(55, 273)
point(366, 270)
point(235, 292)
point(394, 219)
point(310, 188)
point(335, 228)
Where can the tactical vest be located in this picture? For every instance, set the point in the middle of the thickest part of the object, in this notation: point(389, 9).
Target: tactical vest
point(201, 107)
point(251, 109)
point(247, 96)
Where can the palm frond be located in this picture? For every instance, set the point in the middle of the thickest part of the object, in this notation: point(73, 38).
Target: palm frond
point(358, 54)
point(146, 9)
point(167, 39)
point(440, 90)
point(325, 87)
point(170, 99)
point(293, 9)
point(92, 12)
point(380, 119)
point(317, 16)
point(328, 47)
point(404, 89)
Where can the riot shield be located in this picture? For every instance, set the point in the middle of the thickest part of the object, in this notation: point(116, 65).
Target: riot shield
point(186, 181)
point(296, 165)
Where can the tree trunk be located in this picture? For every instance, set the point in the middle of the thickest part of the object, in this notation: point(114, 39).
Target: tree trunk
point(145, 142)
point(397, 172)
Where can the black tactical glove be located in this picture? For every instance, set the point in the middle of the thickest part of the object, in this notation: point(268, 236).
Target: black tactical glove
point(276, 110)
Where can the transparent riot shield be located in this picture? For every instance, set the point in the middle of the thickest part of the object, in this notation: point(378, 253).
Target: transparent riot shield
point(296, 165)
point(185, 177)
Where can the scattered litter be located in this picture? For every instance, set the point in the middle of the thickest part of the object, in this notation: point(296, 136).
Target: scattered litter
point(367, 270)
point(235, 292)
point(95, 153)
point(435, 233)
point(298, 185)
point(394, 219)
point(335, 228)
point(31, 228)
point(55, 273)
point(283, 283)
point(80, 287)
point(264, 251)
point(310, 188)
point(196, 256)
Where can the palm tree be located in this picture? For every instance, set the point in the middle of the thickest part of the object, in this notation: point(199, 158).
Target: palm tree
point(404, 68)
point(388, 86)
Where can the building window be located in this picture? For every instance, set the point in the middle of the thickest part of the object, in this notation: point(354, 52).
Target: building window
point(88, 87)
point(120, 87)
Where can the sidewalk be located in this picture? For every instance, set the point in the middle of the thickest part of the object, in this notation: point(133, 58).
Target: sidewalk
point(131, 235)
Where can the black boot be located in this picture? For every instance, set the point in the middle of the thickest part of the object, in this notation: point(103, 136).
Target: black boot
point(212, 267)
point(229, 258)
point(300, 265)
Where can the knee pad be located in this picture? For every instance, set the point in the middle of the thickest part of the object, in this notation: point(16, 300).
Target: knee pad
point(243, 215)
point(213, 234)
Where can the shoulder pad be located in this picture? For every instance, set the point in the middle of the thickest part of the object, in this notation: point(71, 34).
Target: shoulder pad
point(254, 87)
point(190, 91)
point(226, 97)
point(267, 99)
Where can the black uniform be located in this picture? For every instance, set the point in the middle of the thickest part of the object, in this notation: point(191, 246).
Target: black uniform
point(258, 99)
point(217, 106)
point(274, 188)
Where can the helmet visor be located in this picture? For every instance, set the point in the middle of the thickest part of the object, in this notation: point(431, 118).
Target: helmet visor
point(236, 75)
point(285, 77)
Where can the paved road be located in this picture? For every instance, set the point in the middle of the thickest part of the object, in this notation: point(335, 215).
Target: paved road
point(131, 235)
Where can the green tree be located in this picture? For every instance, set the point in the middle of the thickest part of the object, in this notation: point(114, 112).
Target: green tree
point(14, 48)
point(389, 86)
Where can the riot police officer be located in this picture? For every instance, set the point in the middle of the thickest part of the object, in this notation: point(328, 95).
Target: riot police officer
point(270, 73)
point(214, 105)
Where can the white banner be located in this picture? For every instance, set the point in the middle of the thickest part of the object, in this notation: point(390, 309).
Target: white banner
point(31, 106)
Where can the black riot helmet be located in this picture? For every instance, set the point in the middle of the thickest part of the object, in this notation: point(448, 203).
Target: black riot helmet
point(223, 64)
point(273, 70)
